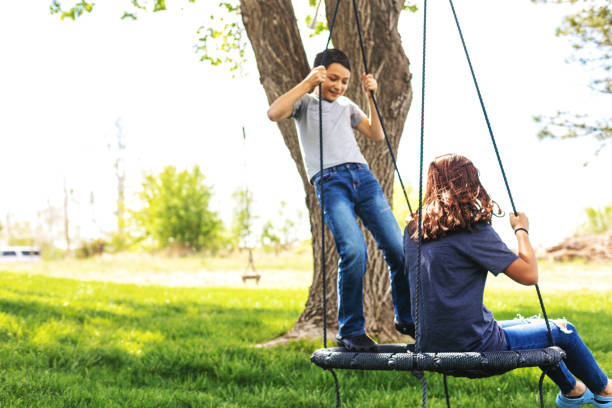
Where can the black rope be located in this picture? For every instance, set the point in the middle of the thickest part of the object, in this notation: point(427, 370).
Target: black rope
point(484, 111)
point(417, 323)
point(550, 336)
point(424, 394)
point(419, 215)
point(338, 402)
point(448, 405)
point(501, 166)
point(541, 392)
point(382, 123)
point(323, 272)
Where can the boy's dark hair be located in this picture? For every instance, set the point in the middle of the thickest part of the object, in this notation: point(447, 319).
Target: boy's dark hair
point(333, 55)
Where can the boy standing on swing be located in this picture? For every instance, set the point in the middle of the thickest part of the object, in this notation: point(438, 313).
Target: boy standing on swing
point(351, 189)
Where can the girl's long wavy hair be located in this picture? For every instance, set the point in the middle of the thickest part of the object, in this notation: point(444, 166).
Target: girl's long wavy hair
point(454, 199)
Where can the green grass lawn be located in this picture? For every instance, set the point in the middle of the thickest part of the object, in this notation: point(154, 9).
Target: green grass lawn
point(68, 343)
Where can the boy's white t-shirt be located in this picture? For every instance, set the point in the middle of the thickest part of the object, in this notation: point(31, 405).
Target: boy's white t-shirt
point(339, 119)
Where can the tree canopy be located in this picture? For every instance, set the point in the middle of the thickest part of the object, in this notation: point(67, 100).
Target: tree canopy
point(175, 209)
point(590, 31)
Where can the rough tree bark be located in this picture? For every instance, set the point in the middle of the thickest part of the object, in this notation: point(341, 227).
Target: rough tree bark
point(281, 60)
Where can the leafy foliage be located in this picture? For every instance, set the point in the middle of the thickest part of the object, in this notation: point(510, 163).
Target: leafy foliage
point(242, 221)
point(222, 40)
point(73, 12)
point(319, 26)
point(399, 205)
point(21, 233)
point(91, 248)
point(279, 233)
point(314, 23)
point(565, 125)
point(175, 210)
point(410, 6)
point(599, 220)
point(590, 31)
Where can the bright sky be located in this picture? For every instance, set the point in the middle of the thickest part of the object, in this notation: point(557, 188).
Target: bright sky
point(63, 85)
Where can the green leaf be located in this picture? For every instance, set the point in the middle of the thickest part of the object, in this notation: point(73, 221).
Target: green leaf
point(127, 15)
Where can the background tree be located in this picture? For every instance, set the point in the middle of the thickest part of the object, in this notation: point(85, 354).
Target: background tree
point(175, 210)
point(400, 207)
point(118, 151)
point(51, 223)
point(273, 34)
point(22, 234)
point(590, 31)
point(280, 232)
point(68, 193)
point(599, 220)
point(242, 220)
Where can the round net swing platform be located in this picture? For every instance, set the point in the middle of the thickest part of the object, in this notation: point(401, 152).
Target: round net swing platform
point(401, 357)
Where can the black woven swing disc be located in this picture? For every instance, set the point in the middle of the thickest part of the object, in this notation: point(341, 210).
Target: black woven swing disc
point(467, 364)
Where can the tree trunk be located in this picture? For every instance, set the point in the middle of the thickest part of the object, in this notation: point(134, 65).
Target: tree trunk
point(281, 61)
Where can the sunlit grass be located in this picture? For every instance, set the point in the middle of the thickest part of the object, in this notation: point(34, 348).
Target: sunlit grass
point(92, 344)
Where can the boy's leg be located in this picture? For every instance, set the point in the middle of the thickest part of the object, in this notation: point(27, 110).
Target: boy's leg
point(376, 214)
point(579, 361)
point(340, 217)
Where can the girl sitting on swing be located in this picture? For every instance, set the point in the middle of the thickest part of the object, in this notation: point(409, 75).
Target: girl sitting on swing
point(459, 246)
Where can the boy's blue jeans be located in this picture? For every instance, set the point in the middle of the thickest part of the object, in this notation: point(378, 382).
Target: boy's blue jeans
point(524, 334)
point(351, 190)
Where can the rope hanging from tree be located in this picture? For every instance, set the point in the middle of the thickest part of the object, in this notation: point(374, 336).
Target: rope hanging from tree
point(323, 274)
point(404, 357)
point(501, 166)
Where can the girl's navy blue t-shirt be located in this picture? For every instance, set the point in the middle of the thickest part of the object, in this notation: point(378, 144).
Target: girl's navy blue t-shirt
point(454, 269)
